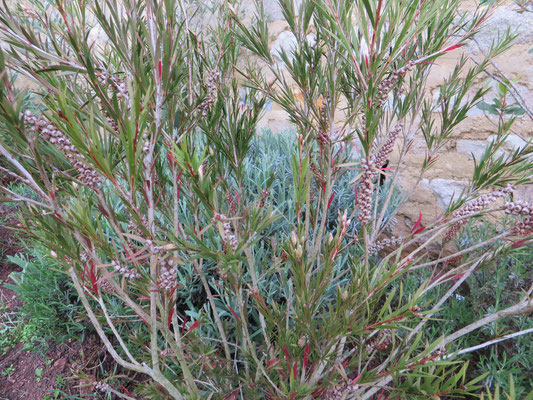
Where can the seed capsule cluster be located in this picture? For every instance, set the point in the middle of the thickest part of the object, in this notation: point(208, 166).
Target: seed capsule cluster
point(232, 203)
point(102, 386)
point(133, 228)
point(473, 207)
point(341, 391)
point(211, 92)
point(50, 133)
point(518, 207)
point(116, 86)
point(106, 286)
point(364, 196)
point(168, 352)
point(229, 237)
point(262, 198)
point(378, 246)
point(370, 169)
point(317, 174)
point(385, 87)
point(112, 123)
point(125, 270)
point(381, 342)
point(381, 157)
point(168, 274)
point(522, 208)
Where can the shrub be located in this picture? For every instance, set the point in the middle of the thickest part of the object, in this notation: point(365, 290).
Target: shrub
point(50, 302)
point(235, 281)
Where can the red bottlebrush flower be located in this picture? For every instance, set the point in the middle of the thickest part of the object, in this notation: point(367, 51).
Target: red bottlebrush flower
point(271, 362)
point(287, 357)
point(170, 317)
point(234, 314)
point(417, 228)
point(306, 355)
point(195, 325)
point(453, 47)
point(519, 243)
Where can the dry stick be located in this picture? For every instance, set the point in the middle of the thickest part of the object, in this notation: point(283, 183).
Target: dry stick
point(255, 284)
point(248, 340)
point(318, 372)
point(155, 375)
point(122, 396)
point(114, 329)
point(148, 184)
point(211, 299)
point(523, 307)
point(178, 350)
point(460, 253)
point(31, 182)
point(434, 310)
point(21, 199)
point(489, 343)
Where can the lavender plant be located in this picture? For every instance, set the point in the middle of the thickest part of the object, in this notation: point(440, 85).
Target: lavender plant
point(139, 164)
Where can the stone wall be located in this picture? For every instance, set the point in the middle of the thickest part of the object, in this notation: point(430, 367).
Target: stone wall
point(452, 170)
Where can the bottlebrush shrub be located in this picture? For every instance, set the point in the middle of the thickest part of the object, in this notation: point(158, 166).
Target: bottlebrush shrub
point(300, 296)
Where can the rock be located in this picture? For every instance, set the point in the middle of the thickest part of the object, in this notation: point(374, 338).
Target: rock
point(60, 364)
point(524, 193)
point(471, 147)
point(273, 9)
point(512, 142)
point(503, 18)
point(287, 42)
point(445, 190)
point(476, 148)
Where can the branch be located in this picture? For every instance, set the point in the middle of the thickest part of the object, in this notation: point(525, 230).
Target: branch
point(490, 343)
point(523, 307)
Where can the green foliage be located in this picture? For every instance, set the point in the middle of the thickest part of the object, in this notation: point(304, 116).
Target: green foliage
point(15, 330)
point(222, 264)
point(50, 302)
point(7, 371)
point(492, 288)
point(511, 394)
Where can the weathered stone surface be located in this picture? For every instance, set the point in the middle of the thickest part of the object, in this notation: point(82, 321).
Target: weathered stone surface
point(287, 42)
point(476, 148)
point(273, 9)
point(506, 17)
point(471, 147)
point(445, 189)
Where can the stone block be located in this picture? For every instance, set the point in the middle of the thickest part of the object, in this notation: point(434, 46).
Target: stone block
point(445, 190)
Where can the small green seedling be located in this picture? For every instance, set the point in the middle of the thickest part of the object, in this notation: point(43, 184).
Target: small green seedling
point(8, 370)
point(38, 374)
